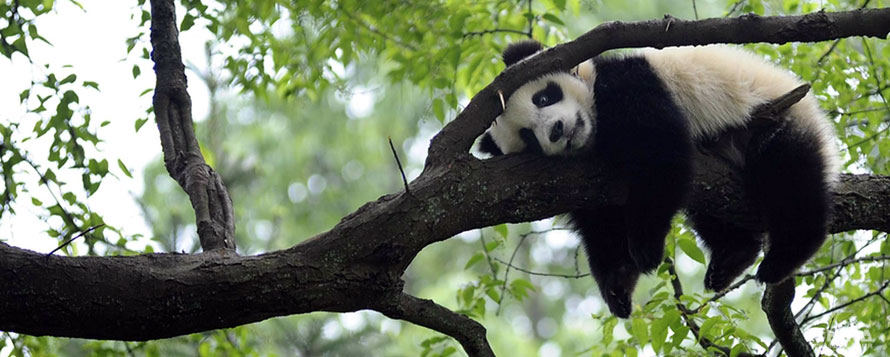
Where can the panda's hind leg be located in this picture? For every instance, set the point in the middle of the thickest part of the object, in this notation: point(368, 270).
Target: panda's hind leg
point(733, 249)
point(785, 175)
point(604, 237)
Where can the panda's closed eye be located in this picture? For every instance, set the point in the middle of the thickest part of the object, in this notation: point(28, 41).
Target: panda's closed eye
point(549, 95)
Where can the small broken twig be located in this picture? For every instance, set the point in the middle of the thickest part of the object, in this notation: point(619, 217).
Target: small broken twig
point(399, 162)
point(67, 242)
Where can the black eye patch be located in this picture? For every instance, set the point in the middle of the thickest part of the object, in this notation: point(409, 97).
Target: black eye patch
point(549, 95)
point(532, 146)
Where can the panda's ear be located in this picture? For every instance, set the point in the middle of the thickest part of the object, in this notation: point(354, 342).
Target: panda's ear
point(515, 52)
point(488, 146)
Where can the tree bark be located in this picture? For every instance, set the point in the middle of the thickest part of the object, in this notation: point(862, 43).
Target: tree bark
point(182, 153)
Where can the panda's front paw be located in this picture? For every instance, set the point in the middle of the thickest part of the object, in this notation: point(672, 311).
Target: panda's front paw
point(717, 280)
point(618, 302)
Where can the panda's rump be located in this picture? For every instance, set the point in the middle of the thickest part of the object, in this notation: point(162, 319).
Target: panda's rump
point(718, 87)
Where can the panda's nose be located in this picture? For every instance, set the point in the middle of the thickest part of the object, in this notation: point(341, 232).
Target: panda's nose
point(556, 131)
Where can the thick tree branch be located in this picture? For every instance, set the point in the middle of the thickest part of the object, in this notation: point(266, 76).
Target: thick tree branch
point(345, 269)
point(182, 154)
point(458, 136)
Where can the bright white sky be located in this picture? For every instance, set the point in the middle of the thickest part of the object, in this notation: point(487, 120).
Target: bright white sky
point(93, 43)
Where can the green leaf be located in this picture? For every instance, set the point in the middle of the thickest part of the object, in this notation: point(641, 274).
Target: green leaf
point(187, 22)
point(473, 260)
point(493, 294)
point(736, 350)
point(467, 294)
point(659, 333)
point(492, 245)
point(520, 287)
point(140, 123)
point(691, 249)
point(439, 109)
point(608, 329)
point(639, 331)
point(552, 18)
point(448, 351)
point(501, 229)
point(69, 79)
point(20, 45)
point(91, 84)
point(125, 170)
point(136, 71)
point(679, 335)
point(708, 324)
point(36, 202)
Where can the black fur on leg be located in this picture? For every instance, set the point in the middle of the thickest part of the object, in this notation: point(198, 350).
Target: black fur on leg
point(643, 134)
point(733, 249)
point(603, 235)
point(785, 176)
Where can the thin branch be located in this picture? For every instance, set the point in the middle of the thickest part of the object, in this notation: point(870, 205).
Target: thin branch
point(870, 93)
point(776, 304)
point(874, 73)
point(855, 112)
point(721, 294)
point(835, 43)
point(469, 333)
point(507, 272)
point(377, 32)
point(847, 261)
point(488, 257)
point(530, 272)
point(809, 305)
point(497, 30)
point(875, 292)
point(67, 217)
point(734, 7)
point(531, 20)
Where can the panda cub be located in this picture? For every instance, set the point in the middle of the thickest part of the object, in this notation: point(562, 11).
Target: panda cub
point(642, 114)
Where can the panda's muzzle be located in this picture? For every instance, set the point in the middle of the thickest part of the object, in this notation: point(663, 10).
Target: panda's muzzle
point(556, 131)
point(579, 125)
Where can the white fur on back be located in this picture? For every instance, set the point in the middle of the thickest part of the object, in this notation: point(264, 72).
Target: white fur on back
point(718, 86)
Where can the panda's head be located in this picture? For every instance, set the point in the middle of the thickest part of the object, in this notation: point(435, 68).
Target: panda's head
point(550, 115)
